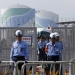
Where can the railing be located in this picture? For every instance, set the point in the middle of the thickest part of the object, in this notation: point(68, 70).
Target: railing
point(63, 63)
point(5, 67)
point(67, 67)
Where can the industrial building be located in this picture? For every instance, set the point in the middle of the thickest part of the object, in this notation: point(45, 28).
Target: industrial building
point(44, 19)
point(17, 15)
point(21, 15)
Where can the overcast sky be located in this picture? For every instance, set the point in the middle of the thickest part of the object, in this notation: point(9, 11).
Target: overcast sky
point(65, 8)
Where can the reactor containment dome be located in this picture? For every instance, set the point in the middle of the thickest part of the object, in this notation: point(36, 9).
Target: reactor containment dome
point(17, 15)
point(44, 19)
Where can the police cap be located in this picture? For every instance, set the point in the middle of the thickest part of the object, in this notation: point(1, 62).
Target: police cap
point(41, 37)
point(52, 36)
point(56, 34)
point(18, 33)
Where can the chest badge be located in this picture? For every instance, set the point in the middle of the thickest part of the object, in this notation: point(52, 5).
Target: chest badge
point(22, 49)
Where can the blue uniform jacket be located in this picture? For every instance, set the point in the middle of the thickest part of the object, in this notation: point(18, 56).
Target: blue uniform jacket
point(53, 50)
point(19, 49)
point(41, 45)
point(61, 46)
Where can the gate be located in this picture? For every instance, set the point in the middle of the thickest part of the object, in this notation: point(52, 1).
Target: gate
point(67, 36)
point(7, 36)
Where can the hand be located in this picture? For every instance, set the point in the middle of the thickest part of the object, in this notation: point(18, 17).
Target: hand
point(57, 51)
point(11, 63)
point(38, 52)
point(26, 61)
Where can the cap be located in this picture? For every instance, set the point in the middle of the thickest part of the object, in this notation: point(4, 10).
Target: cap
point(56, 34)
point(41, 37)
point(52, 35)
point(18, 33)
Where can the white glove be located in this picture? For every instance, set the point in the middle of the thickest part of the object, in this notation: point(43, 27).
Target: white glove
point(57, 51)
point(38, 51)
point(11, 62)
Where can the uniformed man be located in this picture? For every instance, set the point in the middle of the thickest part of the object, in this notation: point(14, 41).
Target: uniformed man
point(47, 40)
point(19, 50)
point(53, 51)
point(40, 47)
point(61, 47)
point(61, 44)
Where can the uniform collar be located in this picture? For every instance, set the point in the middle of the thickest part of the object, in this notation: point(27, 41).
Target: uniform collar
point(18, 41)
point(51, 43)
point(41, 41)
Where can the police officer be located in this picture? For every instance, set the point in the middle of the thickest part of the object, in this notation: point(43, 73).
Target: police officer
point(53, 51)
point(40, 47)
point(61, 47)
point(61, 44)
point(47, 39)
point(19, 50)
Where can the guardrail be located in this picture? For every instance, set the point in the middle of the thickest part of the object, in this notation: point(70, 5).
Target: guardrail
point(63, 64)
point(5, 67)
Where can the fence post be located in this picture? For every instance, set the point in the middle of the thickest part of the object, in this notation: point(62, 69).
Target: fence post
point(22, 69)
point(69, 68)
point(15, 69)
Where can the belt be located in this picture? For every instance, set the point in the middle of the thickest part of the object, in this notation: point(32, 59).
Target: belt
point(19, 56)
point(52, 55)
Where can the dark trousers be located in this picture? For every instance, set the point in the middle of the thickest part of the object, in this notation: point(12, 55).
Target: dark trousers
point(42, 55)
point(20, 58)
point(53, 58)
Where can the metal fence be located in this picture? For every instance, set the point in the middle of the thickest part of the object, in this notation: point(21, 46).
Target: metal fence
point(65, 71)
point(7, 36)
point(67, 36)
point(5, 67)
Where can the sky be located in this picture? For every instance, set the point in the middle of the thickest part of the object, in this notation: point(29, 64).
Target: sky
point(65, 8)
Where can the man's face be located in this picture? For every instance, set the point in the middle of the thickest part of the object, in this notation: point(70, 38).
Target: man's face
point(53, 40)
point(41, 39)
point(57, 38)
point(18, 38)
